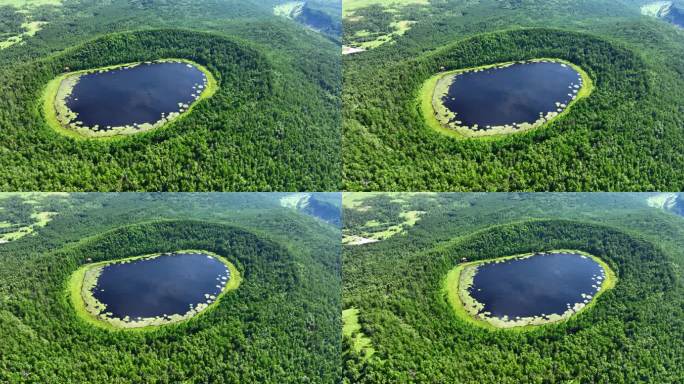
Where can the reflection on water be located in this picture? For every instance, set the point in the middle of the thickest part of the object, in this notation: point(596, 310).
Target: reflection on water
point(541, 284)
point(165, 285)
point(136, 95)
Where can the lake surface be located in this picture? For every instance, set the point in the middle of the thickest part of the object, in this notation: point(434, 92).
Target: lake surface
point(143, 94)
point(520, 93)
point(541, 284)
point(168, 284)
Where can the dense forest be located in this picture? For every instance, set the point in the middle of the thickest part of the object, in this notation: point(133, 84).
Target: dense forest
point(10, 22)
point(626, 136)
point(21, 213)
point(371, 22)
point(634, 333)
point(281, 326)
point(273, 125)
point(324, 16)
point(366, 24)
point(15, 213)
point(327, 207)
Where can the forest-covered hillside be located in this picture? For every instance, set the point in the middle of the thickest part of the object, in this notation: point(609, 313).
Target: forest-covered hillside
point(400, 326)
point(281, 325)
point(273, 125)
point(323, 16)
point(626, 136)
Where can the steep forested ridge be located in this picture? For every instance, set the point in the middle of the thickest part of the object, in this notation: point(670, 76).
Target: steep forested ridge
point(632, 334)
point(275, 125)
point(280, 326)
point(677, 205)
point(626, 136)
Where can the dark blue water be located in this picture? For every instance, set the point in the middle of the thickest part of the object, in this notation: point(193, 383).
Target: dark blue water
point(138, 95)
point(541, 284)
point(167, 284)
point(515, 94)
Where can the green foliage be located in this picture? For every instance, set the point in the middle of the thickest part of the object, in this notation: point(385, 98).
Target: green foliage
point(387, 212)
point(21, 214)
point(16, 212)
point(634, 333)
point(371, 24)
point(10, 22)
point(624, 137)
point(321, 21)
point(326, 207)
point(274, 124)
point(281, 326)
point(323, 17)
point(374, 19)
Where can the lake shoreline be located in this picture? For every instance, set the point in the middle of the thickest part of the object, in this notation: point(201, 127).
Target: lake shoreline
point(61, 118)
point(459, 279)
point(87, 307)
point(437, 86)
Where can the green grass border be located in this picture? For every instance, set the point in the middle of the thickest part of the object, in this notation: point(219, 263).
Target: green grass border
point(75, 284)
point(427, 91)
point(451, 289)
point(351, 329)
point(49, 96)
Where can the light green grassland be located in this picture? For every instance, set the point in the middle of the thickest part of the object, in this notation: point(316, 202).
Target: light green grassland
point(41, 220)
point(355, 200)
point(400, 26)
point(374, 230)
point(410, 219)
point(30, 27)
point(79, 293)
point(427, 93)
point(54, 91)
point(370, 44)
point(349, 6)
point(351, 329)
point(458, 280)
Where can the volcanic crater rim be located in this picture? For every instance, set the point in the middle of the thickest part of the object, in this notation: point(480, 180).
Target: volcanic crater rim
point(83, 281)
